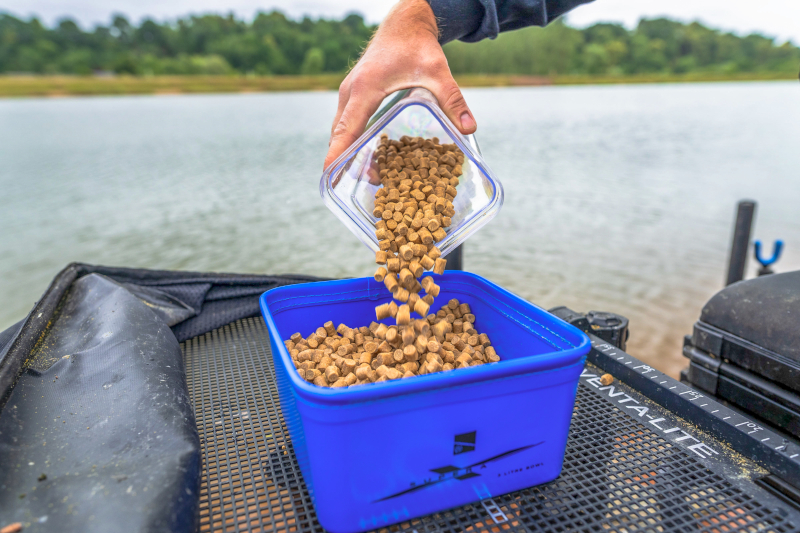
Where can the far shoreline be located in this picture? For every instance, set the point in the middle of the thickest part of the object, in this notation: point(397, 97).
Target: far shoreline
point(21, 86)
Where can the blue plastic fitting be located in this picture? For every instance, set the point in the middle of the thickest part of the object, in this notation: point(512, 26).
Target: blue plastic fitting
point(776, 253)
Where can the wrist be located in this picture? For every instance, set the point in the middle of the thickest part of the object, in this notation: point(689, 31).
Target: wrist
point(415, 16)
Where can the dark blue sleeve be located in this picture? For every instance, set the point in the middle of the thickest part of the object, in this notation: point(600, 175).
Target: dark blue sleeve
point(473, 20)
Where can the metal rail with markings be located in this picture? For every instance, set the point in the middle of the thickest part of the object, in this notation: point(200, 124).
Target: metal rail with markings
point(779, 454)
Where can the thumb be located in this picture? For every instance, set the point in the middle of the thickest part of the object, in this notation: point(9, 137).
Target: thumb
point(454, 105)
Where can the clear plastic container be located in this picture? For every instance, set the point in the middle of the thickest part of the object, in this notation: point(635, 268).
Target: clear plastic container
point(349, 184)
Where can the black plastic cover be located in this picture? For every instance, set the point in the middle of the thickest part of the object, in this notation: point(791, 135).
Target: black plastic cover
point(763, 311)
point(777, 406)
point(93, 397)
point(99, 429)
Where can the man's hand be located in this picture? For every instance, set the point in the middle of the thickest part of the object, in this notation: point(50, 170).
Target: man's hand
point(404, 53)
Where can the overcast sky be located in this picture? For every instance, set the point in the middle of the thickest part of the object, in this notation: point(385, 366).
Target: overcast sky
point(778, 18)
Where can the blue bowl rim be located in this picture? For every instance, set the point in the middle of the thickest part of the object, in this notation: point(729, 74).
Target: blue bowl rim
point(429, 382)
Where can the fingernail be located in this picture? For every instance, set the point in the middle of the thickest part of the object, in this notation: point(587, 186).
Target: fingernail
point(467, 122)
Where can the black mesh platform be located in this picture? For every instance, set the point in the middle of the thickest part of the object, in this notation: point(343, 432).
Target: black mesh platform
point(619, 475)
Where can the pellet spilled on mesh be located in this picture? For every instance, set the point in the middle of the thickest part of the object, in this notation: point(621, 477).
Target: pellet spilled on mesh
point(344, 356)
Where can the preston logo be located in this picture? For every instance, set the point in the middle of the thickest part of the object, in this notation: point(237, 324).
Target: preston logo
point(464, 442)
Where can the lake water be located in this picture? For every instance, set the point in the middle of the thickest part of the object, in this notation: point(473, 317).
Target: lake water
point(618, 198)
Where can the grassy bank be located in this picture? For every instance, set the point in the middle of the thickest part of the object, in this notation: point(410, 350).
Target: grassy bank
point(521, 81)
point(53, 86)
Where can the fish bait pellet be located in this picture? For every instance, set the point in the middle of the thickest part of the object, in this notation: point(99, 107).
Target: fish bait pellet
point(414, 207)
point(356, 356)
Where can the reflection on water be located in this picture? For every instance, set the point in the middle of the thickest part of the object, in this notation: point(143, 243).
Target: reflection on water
point(618, 198)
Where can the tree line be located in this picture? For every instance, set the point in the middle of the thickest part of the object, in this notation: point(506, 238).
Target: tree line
point(273, 44)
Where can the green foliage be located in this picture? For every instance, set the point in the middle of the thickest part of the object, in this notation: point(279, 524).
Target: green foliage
point(208, 44)
point(314, 61)
point(183, 65)
point(660, 46)
point(275, 44)
point(533, 51)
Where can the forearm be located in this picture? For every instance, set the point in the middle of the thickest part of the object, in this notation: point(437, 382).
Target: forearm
point(474, 20)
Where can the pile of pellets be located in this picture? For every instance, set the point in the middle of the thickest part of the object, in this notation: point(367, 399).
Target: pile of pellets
point(414, 207)
point(343, 356)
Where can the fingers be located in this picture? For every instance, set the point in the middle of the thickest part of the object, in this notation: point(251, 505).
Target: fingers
point(351, 122)
point(453, 103)
point(344, 96)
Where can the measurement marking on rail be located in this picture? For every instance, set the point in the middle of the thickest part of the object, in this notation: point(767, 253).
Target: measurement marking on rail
point(704, 405)
point(727, 417)
point(620, 357)
point(793, 456)
point(494, 511)
point(712, 412)
point(762, 440)
point(672, 387)
point(629, 362)
point(661, 382)
point(654, 377)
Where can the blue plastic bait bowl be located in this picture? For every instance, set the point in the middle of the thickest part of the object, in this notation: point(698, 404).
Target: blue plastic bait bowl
point(377, 454)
